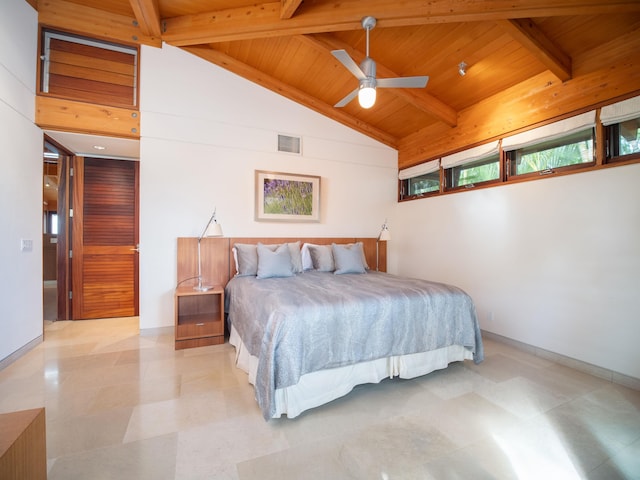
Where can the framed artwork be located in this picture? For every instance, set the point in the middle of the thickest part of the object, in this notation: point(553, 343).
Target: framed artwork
point(287, 197)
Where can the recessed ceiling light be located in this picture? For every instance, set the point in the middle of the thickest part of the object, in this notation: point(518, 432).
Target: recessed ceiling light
point(99, 147)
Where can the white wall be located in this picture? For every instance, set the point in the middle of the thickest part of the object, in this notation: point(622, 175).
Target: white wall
point(21, 180)
point(557, 261)
point(204, 132)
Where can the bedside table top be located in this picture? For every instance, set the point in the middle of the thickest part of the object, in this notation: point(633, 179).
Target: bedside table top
point(182, 291)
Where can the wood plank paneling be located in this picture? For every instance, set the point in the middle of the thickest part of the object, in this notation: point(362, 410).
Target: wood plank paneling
point(214, 254)
point(507, 87)
point(104, 20)
point(263, 20)
point(105, 233)
point(218, 265)
point(89, 73)
point(607, 72)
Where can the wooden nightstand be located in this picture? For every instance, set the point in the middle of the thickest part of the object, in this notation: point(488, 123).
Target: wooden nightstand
point(199, 317)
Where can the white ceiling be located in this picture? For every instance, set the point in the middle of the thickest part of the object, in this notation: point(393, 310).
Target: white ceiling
point(85, 145)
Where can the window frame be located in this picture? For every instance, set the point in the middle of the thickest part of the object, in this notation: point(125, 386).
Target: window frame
point(449, 173)
point(510, 157)
point(604, 132)
point(101, 50)
point(612, 146)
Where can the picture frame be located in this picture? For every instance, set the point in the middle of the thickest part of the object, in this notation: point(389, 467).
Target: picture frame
point(287, 197)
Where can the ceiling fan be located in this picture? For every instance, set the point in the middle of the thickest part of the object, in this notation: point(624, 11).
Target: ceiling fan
point(366, 74)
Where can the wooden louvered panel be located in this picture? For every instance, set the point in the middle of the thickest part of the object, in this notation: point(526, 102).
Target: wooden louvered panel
point(108, 283)
point(89, 91)
point(109, 230)
point(92, 74)
point(109, 203)
point(86, 72)
point(93, 56)
point(105, 260)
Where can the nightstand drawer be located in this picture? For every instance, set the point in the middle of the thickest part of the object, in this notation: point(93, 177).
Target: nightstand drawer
point(193, 327)
point(199, 317)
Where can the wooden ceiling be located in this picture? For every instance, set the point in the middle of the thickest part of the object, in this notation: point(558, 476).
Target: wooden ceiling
point(521, 54)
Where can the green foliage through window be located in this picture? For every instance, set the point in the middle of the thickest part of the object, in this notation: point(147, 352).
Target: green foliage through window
point(483, 170)
point(621, 142)
point(572, 150)
point(624, 138)
point(424, 184)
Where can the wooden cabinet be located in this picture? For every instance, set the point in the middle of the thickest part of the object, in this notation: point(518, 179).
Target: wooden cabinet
point(199, 317)
point(23, 445)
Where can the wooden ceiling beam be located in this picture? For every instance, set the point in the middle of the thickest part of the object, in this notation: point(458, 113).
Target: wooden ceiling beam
point(147, 14)
point(526, 32)
point(416, 97)
point(246, 71)
point(93, 22)
point(605, 72)
point(264, 20)
point(289, 8)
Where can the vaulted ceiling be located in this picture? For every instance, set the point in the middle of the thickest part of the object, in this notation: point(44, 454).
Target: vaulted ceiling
point(514, 49)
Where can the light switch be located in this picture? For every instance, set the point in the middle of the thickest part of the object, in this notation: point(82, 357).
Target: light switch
point(26, 245)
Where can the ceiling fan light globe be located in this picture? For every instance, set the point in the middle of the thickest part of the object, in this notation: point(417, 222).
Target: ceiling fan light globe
point(367, 97)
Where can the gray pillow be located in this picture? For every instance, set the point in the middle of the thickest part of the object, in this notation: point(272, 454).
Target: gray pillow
point(322, 258)
point(274, 264)
point(364, 257)
point(296, 256)
point(348, 258)
point(247, 258)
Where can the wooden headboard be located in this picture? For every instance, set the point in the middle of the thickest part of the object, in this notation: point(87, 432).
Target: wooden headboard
point(217, 258)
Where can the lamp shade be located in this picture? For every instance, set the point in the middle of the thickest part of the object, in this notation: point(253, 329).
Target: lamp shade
point(213, 230)
point(367, 97)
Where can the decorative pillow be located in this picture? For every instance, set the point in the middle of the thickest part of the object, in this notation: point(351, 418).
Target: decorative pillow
point(322, 258)
point(364, 257)
point(274, 264)
point(307, 263)
point(348, 258)
point(296, 257)
point(246, 255)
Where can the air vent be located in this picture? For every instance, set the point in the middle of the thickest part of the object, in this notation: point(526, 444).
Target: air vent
point(289, 144)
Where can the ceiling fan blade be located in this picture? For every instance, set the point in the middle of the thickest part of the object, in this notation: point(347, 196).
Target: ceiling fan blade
point(403, 82)
point(348, 98)
point(344, 58)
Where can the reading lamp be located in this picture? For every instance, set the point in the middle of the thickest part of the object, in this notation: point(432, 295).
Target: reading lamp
point(213, 229)
point(383, 237)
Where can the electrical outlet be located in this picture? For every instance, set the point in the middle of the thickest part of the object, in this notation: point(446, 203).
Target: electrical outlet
point(490, 316)
point(26, 245)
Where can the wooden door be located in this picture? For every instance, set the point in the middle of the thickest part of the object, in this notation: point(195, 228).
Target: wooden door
point(104, 262)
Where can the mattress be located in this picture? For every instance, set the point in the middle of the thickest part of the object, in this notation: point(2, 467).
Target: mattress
point(321, 322)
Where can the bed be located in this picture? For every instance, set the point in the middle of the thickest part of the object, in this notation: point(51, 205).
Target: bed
point(310, 330)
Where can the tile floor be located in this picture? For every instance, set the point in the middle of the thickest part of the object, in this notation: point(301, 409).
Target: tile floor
point(121, 405)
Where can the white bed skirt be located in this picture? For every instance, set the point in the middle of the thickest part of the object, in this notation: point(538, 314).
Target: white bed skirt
point(317, 388)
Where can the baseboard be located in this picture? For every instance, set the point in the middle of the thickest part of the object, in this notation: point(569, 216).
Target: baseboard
point(8, 360)
point(151, 332)
point(596, 371)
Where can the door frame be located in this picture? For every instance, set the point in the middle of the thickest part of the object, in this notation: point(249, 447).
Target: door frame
point(67, 161)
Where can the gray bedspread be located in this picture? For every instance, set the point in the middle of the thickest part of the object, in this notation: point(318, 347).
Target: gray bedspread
point(317, 320)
